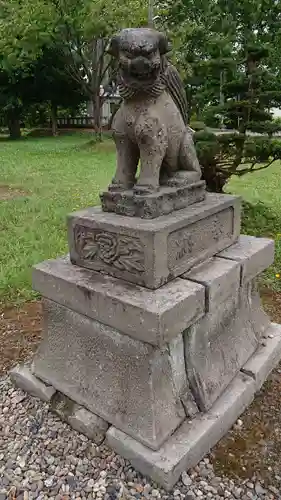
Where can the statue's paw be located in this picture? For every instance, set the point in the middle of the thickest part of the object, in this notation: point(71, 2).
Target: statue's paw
point(183, 177)
point(143, 189)
point(120, 186)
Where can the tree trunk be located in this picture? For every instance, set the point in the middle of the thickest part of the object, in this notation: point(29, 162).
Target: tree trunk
point(221, 97)
point(97, 80)
point(215, 181)
point(97, 116)
point(14, 125)
point(112, 117)
point(54, 119)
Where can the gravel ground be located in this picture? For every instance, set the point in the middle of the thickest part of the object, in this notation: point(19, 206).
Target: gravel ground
point(42, 458)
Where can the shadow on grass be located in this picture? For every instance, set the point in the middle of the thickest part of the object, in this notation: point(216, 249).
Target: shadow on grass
point(105, 144)
point(260, 220)
point(7, 138)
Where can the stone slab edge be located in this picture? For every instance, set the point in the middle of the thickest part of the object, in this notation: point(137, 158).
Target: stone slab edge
point(220, 277)
point(195, 438)
point(266, 357)
point(154, 317)
point(79, 418)
point(254, 254)
point(23, 378)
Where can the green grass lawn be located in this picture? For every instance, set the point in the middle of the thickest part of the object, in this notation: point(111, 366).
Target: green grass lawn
point(261, 192)
point(60, 175)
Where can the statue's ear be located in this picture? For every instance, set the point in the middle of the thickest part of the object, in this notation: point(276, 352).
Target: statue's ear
point(163, 44)
point(113, 47)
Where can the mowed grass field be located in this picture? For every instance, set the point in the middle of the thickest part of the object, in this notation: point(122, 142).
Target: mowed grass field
point(55, 176)
point(43, 179)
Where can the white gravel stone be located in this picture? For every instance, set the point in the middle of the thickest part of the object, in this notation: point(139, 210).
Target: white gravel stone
point(186, 479)
point(43, 458)
point(155, 493)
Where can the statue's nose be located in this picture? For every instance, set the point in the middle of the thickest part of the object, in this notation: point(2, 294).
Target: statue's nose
point(140, 64)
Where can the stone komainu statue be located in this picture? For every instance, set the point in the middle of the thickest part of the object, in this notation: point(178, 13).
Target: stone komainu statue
point(151, 124)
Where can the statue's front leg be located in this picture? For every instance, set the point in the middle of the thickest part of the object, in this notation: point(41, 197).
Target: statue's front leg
point(152, 141)
point(127, 162)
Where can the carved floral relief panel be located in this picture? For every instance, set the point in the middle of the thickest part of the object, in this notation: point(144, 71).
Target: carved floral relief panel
point(122, 252)
point(189, 242)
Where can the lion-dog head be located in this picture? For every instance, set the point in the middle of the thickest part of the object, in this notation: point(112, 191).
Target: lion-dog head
point(139, 53)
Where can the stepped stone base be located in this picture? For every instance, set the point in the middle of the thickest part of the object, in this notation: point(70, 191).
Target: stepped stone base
point(193, 439)
point(170, 367)
point(159, 356)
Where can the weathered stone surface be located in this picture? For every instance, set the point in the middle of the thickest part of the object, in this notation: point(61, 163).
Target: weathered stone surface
point(126, 382)
point(23, 378)
point(185, 448)
point(155, 204)
point(221, 278)
point(150, 124)
point(266, 357)
point(177, 361)
point(258, 318)
point(151, 316)
point(80, 419)
point(254, 255)
point(153, 252)
point(87, 423)
point(220, 343)
point(217, 346)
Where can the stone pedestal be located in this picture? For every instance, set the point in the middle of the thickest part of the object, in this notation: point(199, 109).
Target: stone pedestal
point(153, 252)
point(154, 328)
point(162, 202)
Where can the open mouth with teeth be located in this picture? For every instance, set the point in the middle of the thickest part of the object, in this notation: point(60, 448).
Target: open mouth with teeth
point(139, 76)
point(145, 74)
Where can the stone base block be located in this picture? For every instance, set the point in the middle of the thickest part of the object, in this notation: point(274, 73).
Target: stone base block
point(254, 254)
point(221, 279)
point(188, 445)
point(220, 343)
point(266, 357)
point(216, 347)
point(153, 316)
point(22, 377)
point(128, 383)
point(153, 252)
point(80, 419)
point(150, 206)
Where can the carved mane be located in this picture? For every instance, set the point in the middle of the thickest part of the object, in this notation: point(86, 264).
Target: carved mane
point(171, 78)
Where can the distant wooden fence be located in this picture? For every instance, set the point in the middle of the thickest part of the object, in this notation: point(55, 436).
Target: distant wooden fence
point(77, 122)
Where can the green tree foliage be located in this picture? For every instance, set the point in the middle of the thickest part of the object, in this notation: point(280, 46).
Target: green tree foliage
point(41, 84)
point(80, 29)
point(49, 84)
point(11, 101)
point(234, 82)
